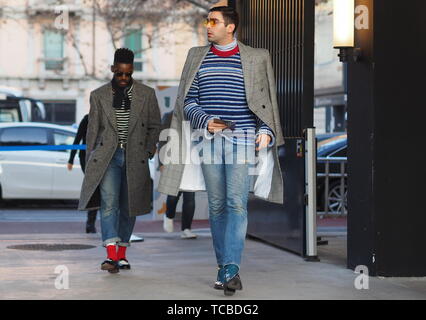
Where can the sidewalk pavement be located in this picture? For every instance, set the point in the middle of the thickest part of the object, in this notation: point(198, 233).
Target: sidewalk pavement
point(166, 267)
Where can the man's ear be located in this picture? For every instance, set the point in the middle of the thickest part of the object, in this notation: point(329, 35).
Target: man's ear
point(112, 68)
point(230, 27)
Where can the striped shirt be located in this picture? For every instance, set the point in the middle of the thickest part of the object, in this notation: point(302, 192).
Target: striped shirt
point(218, 92)
point(122, 115)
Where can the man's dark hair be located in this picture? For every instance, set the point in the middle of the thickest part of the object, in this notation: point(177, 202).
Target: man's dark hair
point(123, 55)
point(229, 15)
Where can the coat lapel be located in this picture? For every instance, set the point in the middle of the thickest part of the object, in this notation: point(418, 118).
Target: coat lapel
point(195, 66)
point(136, 105)
point(247, 63)
point(106, 102)
point(139, 101)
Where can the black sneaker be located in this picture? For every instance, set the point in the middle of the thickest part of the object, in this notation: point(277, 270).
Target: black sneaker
point(110, 265)
point(124, 264)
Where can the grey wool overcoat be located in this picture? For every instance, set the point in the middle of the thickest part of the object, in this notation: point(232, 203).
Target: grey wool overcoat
point(261, 96)
point(102, 142)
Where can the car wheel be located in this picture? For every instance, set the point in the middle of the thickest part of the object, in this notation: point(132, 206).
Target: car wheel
point(337, 201)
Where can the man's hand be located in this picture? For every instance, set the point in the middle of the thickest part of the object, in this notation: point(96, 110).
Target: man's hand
point(69, 166)
point(263, 140)
point(215, 127)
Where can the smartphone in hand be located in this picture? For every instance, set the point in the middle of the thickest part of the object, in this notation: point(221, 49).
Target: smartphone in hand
point(228, 123)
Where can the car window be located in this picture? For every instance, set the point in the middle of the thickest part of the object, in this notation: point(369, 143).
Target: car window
point(63, 138)
point(9, 115)
point(24, 136)
point(339, 153)
point(326, 148)
point(332, 140)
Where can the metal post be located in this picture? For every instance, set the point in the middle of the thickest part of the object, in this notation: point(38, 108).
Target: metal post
point(311, 188)
point(342, 187)
point(327, 184)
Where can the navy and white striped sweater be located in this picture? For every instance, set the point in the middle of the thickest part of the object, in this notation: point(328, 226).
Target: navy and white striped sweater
point(218, 92)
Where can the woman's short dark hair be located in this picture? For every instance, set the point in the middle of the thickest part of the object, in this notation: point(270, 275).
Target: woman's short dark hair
point(229, 15)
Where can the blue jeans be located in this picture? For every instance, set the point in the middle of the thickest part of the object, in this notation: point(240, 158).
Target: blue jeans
point(228, 186)
point(116, 224)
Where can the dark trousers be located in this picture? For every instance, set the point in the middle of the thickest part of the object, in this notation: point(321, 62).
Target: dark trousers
point(188, 208)
point(91, 214)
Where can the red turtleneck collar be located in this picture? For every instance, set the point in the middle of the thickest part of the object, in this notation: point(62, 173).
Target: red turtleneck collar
point(225, 53)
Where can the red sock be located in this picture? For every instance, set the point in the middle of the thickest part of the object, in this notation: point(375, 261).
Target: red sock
point(112, 252)
point(121, 254)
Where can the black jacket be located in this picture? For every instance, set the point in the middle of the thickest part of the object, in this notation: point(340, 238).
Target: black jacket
point(81, 136)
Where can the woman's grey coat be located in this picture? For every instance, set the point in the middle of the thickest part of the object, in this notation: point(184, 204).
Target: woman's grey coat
point(261, 98)
point(102, 142)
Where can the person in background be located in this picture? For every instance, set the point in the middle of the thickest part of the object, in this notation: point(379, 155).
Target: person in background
point(81, 136)
point(188, 206)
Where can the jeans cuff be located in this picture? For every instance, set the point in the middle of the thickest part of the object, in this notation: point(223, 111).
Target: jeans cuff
point(228, 264)
point(111, 240)
point(124, 244)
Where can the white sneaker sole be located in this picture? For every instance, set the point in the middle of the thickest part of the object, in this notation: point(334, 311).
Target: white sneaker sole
point(188, 237)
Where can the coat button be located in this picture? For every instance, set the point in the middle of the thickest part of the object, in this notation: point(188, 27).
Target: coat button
point(141, 143)
point(102, 144)
point(263, 107)
point(95, 160)
point(143, 161)
point(143, 124)
point(261, 89)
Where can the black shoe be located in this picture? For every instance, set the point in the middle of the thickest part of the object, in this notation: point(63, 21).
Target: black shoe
point(218, 285)
point(124, 264)
point(110, 265)
point(230, 286)
point(90, 228)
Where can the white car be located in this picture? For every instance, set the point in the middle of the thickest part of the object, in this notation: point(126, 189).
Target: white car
point(37, 174)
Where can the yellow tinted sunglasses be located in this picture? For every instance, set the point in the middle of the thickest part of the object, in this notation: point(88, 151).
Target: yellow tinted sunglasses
point(211, 22)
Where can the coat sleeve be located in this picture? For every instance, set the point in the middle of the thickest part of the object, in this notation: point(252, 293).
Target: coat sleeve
point(92, 126)
point(154, 126)
point(165, 124)
point(273, 96)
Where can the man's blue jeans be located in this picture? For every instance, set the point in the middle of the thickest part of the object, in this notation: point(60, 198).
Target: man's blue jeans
point(228, 185)
point(116, 224)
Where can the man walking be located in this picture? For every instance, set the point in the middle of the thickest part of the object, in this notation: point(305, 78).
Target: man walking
point(227, 85)
point(122, 133)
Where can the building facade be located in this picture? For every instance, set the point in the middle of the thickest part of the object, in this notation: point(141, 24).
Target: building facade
point(59, 51)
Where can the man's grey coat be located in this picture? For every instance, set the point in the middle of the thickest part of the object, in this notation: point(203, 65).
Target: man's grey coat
point(261, 97)
point(102, 142)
